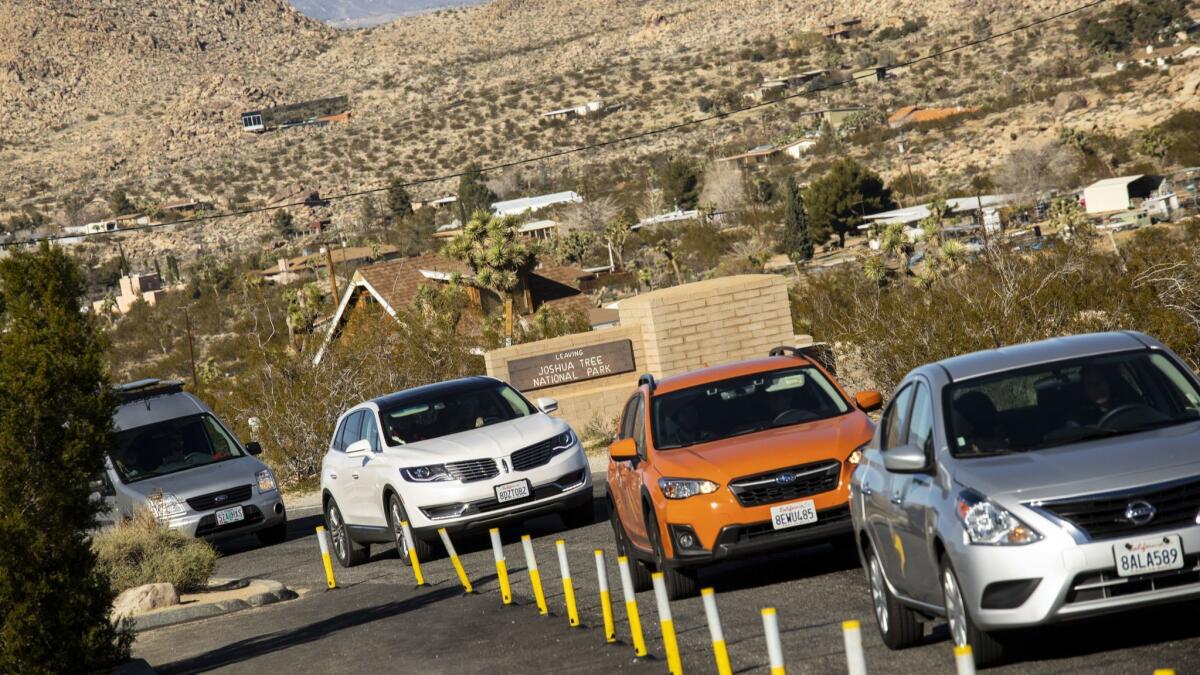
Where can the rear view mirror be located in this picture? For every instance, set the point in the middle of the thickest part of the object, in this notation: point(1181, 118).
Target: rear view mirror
point(622, 450)
point(905, 459)
point(868, 400)
point(253, 448)
point(547, 405)
point(359, 448)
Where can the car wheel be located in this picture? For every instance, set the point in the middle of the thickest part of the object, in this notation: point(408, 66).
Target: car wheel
point(578, 516)
point(275, 534)
point(397, 515)
point(346, 550)
point(681, 582)
point(963, 631)
point(899, 626)
point(638, 573)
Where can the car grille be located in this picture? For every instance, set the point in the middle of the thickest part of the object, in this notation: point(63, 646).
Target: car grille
point(1106, 583)
point(1103, 516)
point(208, 524)
point(217, 500)
point(561, 484)
point(764, 488)
point(473, 470)
point(533, 456)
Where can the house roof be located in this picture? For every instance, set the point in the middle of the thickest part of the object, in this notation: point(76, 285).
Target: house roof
point(513, 207)
point(1120, 181)
point(340, 256)
point(395, 282)
point(535, 225)
point(758, 151)
point(912, 214)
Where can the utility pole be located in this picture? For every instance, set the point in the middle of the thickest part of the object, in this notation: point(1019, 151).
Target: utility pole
point(982, 224)
point(187, 320)
point(332, 277)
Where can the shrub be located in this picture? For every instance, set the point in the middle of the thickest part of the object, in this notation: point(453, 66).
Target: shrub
point(141, 551)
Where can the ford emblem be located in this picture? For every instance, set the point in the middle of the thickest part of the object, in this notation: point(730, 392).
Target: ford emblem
point(1139, 512)
point(786, 478)
point(219, 498)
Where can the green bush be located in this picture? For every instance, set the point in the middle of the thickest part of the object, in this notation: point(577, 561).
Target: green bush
point(141, 551)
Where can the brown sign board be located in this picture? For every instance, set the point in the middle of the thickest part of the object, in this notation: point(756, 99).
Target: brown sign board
point(571, 365)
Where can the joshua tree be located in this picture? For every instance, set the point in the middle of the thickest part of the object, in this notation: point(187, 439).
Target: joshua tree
point(497, 256)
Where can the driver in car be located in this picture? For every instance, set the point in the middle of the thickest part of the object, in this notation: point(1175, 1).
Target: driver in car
point(682, 425)
point(1099, 396)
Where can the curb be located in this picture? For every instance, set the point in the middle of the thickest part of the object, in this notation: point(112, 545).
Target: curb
point(273, 592)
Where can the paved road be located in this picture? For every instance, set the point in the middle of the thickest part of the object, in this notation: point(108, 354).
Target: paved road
point(378, 620)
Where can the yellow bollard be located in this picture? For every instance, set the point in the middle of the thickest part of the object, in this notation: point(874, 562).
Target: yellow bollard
point(1164, 671)
point(964, 660)
point(568, 586)
point(631, 610)
point(412, 553)
point(720, 651)
point(610, 630)
point(670, 644)
point(462, 573)
point(774, 644)
point(535, 577)
point(501, 567)
point(856, 661)
point(325, 557)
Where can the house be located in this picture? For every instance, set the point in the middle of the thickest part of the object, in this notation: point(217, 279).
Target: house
point(961, 207)
point(797, 148)
point(393, 285)
point(516, 207)
point(770, 87)
point(1162, 58)
point(182, 207)
point(538, 229)
point(911, 114)
point(134, 287)
point(1117, 194)
point(131, 220)
point(290, 270)
point(836, 116)
point(319, 112)
point(438, 203)
point(872, 74)
point(844, 29)
point(581, 110)
point(668, 217)
point(755, 155)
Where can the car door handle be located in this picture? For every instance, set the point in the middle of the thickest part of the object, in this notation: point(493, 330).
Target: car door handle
point(866, 491)
point(332, 476)
point(354, 476)
point(897, 500)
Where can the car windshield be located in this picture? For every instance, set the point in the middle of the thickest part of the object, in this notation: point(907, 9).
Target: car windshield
point(170, 446)
point(743, 405)
point(1065, 402)
point(452, 413)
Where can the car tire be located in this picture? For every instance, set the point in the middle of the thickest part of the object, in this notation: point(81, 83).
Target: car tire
point(638, 573)
point(681, 582)
point(275, 534)
point(986, 649)
point(899, 626)
point(396, 515)
point(347, 552)
point(578, 516)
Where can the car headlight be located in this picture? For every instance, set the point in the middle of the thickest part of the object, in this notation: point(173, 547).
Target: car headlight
point(426, 474)
point(564, 440)
point(856, 456)
point(265, 480)
point(682, 488)
point(165, 505)
point(989, 523)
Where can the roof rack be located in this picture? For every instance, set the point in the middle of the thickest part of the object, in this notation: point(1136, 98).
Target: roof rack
point(820, 352)
point(147, 388)
point(648, 380)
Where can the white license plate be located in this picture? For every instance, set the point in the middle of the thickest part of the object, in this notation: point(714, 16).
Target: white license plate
point(233, 515)
point(791, 515)
point(518, 489)
point(1136, 557)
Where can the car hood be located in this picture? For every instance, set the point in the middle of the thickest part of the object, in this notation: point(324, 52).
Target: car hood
point(731, 458)
point(202, 480)
point(494, 440)
point(1085, 468)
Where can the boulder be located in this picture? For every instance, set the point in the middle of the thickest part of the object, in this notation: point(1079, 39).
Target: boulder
point(1067, 101)
point(1190, 85)
point(142, 599)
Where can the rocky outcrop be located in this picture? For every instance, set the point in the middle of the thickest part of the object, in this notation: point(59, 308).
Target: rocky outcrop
point(142, 599)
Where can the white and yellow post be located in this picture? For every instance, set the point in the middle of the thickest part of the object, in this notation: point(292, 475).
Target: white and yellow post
point(631, 608)
point(774, 644)
point(856, 660)
point(964, 660)
point(458, 567)
point(412, 552)
point(720, 651)
point(568, 585)
point(610, 630)
point(325, 559)
point(501, 567)
point(535, 577)
point(670, 643)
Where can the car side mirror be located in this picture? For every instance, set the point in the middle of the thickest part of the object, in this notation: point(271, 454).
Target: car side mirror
point(905, 459)
point(868, 400)
point(359, 448)
point(623, 450)
point(254, 448)
point(547, 405)
point(102, 488)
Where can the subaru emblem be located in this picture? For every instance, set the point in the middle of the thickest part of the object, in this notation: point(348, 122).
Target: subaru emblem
point(786, 478)
point(1140, 512)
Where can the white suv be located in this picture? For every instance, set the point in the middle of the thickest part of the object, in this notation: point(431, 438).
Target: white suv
point(462, 455)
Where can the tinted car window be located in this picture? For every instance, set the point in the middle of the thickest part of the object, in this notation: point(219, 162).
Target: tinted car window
point(627, 417)
point(420, 419)
point(348, 433)
point(171, 446)
point(895, 420)
point(369, 430)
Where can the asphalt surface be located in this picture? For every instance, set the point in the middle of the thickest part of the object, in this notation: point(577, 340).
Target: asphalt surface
point(377, 619)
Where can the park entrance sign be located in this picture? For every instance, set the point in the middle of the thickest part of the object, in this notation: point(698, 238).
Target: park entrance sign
point(571, 365)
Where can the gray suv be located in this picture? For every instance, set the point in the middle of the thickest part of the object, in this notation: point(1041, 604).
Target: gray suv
point(176, 458)
point(1032, 484)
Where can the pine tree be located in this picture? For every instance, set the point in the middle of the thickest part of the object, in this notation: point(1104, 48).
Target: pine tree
point(473, 194)
point(838, 201)
point(399, 202)
point(119, 204)
point(797, 237)
point(55, 429)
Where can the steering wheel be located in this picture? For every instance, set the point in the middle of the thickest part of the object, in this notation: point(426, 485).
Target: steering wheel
point(188, 457)
point(492, 420)
point(1122, 409)
point(792, 416)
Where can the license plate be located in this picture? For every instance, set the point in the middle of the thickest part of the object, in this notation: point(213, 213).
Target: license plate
point(1136, 557)
point(508, 492)
point(226, 516)
point(791, 515)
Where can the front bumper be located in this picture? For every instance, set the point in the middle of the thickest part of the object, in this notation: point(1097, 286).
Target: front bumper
point(741, 541)
point(1076, 580)
point(261, 511)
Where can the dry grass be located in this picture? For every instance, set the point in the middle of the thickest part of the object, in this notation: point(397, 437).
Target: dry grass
point(140, 551)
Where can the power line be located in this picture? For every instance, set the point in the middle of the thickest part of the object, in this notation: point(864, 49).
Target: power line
point(583, 148)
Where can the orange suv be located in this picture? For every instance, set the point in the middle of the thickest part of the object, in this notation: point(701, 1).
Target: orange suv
point(733, 460)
